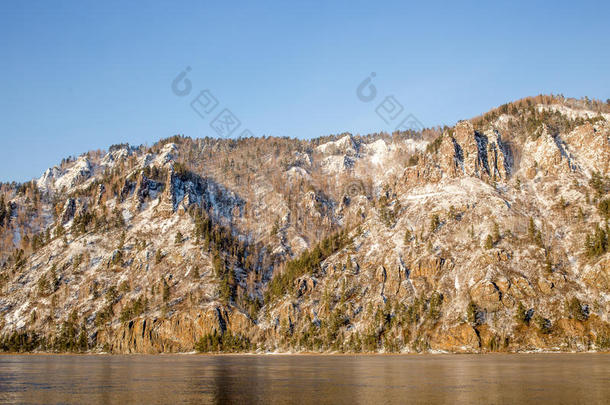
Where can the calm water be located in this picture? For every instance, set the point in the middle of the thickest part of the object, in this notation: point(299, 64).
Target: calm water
point(486, 379)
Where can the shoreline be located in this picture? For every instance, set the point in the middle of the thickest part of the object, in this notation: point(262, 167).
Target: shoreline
point(300, 353)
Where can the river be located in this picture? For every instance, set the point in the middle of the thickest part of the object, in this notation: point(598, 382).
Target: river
point(323, 379)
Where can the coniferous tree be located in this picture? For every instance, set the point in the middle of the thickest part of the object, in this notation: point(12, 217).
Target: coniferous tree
point(2, 211)
point(407, 236)
point(604, 208)
point(521, 316)
point(435, 222)
point(598, 184)
point(472, 313)
point(531, 230)
point(83, 341)
point(9, 212)
point(489, 242)
point(534, 234)
point(59, 230)
point(121, 241)
point(598, 243)
point(496, 233)
point(166, 291)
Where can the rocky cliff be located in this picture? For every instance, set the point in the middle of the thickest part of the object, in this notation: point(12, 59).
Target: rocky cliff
point(491, 235)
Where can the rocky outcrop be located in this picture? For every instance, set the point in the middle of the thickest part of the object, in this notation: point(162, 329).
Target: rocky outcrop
point(471, 153)
point(589, 144)
point(499, 156)
point(179, 332)
point(461, 338)
point(473, 149)
point(427, 267)
point(69, 210)
point(451, 157)
point(545, 154)
point(145, 190)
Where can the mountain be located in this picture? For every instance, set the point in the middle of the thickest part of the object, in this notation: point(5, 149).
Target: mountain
point(491, 235)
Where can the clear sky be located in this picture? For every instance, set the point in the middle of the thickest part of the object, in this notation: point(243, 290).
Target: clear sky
point(83, 75)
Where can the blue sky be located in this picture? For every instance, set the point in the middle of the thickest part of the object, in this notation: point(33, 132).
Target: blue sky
point(76, 76)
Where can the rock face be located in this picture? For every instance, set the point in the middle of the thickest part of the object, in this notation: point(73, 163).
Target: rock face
point(590, 144)
point(146, 190)
point(69, 210)
point(178, 333)
point(486, 237)
point(472, 153)
point(499, 156)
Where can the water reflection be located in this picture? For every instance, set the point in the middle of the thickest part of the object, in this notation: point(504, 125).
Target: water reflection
point(532, 378)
